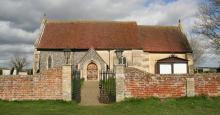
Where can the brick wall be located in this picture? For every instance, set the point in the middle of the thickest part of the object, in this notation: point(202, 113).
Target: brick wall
point(55, 84)
point(47, 85)
point(139, 84)
point(208, 84)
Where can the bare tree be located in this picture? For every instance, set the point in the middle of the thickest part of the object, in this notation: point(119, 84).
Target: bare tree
point(198, 50)
point(217, 2)
point(208, 23)
point(18, 63)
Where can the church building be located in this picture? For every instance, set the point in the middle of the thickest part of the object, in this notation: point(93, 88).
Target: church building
point(95, 46)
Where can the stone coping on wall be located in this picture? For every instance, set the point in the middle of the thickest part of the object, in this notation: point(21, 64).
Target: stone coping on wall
point(130, 70)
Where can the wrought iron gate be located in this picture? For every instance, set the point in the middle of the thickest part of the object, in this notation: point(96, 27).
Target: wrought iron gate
point(107, 87)
point(76, 85)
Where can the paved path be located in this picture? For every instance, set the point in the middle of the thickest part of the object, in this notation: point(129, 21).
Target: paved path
point(90, 93)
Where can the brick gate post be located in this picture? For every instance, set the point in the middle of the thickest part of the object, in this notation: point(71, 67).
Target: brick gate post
point(120, 82)
point(67, 82)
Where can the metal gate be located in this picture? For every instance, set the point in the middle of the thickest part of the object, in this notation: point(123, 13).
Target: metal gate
point(107, 87)
point(76, 85)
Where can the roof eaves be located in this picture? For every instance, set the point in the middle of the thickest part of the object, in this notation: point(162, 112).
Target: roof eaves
point(43, 25)
point(184, 38)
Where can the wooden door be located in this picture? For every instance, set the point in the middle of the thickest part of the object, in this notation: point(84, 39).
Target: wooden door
point(92, 71)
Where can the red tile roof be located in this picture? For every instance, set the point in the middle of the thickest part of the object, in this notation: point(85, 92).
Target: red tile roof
point(85, 34)
point(163, 39)
point(112, 35)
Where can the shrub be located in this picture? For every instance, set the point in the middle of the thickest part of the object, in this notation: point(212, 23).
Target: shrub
point(0, 71)
point(30, 71)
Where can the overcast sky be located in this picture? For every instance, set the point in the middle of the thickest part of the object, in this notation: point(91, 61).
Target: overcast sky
point(20, 19)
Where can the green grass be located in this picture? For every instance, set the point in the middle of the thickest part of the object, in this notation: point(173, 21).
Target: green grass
point(151, 106)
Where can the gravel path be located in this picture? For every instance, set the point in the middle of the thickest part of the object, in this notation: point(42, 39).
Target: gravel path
point(90, 93)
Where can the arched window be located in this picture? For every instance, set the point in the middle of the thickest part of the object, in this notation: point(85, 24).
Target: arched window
point(49, 62)
point(122, 60)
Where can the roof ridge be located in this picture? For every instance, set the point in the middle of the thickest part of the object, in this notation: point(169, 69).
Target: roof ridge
point(88, 21)
point(158, 26)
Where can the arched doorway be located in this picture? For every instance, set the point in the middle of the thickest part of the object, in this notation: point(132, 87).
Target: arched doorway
point(92, 71)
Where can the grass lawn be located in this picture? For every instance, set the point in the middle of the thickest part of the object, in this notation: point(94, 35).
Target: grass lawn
point(152, 106)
